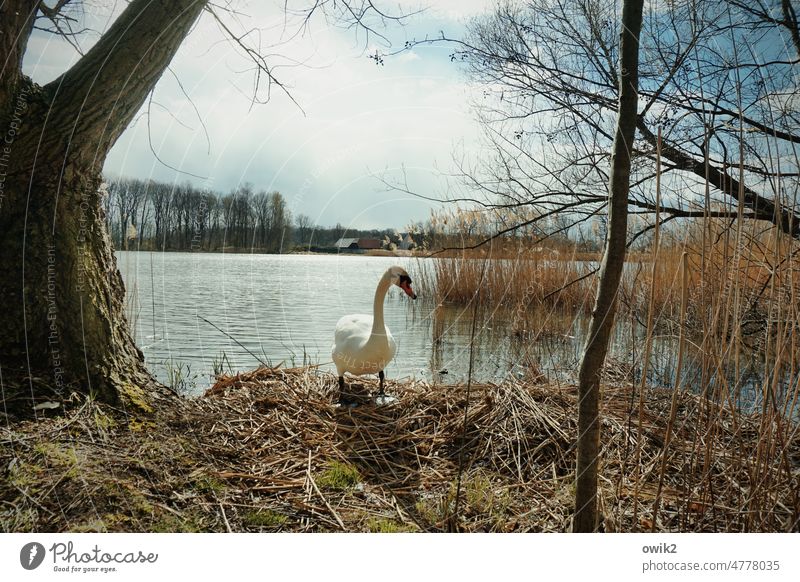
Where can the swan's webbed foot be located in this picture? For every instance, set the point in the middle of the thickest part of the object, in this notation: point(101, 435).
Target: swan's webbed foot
point(382, 399)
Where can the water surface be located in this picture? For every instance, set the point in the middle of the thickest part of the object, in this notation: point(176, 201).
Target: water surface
point(268, 308)
point(195, 314)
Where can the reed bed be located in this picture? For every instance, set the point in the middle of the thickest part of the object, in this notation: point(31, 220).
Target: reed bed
point(266, 451)
point(742, 289)
point(758, 270)
point(527, 279)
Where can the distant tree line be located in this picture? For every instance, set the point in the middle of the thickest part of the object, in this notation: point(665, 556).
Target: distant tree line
point(150, 215)
point(460, 227)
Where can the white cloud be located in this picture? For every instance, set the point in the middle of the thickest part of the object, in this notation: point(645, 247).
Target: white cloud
point(408, 56)
point(357, 118)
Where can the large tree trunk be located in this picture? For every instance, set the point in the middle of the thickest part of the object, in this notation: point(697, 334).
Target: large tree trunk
point(586, 518)
point(62, 323)
point(63, 326)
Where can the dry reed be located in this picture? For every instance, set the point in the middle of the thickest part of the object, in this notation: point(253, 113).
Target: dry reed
point(266, 451)
point(562, 279)
point(527, 279)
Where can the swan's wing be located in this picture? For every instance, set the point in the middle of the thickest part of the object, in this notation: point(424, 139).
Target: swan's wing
point(352, 332)
point(353, 326)
point(352, 350)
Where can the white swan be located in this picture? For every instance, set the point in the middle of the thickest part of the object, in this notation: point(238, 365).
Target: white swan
point(362, 343)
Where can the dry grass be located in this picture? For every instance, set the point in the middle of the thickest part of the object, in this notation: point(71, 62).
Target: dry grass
point(266, 451)
point(745, 281)
point(527, 279)
point(536, 278)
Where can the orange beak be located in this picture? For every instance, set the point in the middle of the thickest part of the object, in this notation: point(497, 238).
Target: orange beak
point(407, 288)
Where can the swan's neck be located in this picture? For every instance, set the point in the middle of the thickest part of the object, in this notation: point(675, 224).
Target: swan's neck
point(378, 325)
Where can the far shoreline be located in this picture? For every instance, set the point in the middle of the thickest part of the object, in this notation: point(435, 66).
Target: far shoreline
point(321, 253)
point(631, 257)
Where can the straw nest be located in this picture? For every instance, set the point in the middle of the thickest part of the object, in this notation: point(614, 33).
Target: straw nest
point(266, 451)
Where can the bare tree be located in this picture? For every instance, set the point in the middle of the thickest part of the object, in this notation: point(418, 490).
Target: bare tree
point(586, 515)
point(63, 322)
point(717, 77)
point(159, 195)
point(242, 216)
point(304, 225)
point(125, 196)
point(280, 224)
point(261, 209)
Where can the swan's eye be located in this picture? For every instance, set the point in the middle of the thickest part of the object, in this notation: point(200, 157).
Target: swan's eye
point(404, 279)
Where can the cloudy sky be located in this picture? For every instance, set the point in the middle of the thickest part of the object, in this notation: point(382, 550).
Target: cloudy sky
point(352, 121)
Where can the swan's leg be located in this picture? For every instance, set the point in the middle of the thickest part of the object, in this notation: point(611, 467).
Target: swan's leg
point(382, 399)
point(345, 399)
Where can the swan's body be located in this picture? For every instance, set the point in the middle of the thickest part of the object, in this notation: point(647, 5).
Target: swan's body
point(362, 343)
point(358, 350)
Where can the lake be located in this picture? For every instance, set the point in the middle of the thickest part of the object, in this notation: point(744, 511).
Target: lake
point(195, 314)
point(283, 309)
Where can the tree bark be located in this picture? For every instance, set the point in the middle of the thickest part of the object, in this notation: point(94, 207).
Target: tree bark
point(63, 326)
point(17, 18)
point(586, 516)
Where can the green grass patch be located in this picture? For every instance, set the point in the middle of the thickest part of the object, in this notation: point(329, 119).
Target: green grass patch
point(483, 496)
point(339, 476)
point(384, 525)
point(207, 484)
point(481, 500)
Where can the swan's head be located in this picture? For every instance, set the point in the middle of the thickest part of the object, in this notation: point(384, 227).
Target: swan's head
point(400, 278)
